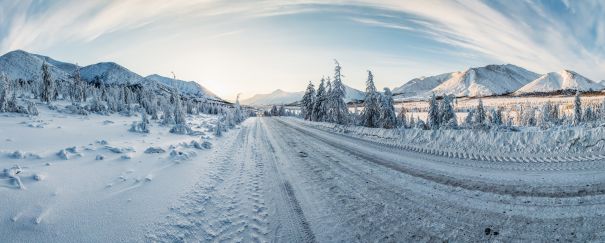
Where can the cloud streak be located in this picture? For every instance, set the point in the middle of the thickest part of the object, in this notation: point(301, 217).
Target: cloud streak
point(427, 35)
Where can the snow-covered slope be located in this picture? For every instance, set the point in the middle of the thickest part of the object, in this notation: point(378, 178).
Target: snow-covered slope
point(279, 97)
point(421, 86)
point(353, 94)
point(276, 97)
point(563, 80)
point(185, 87)
point(23, 65)
point(488, 80)
point(110, 73)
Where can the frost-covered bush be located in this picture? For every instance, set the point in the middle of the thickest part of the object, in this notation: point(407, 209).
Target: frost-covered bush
point(154, 150)
point(142, 126)
point(32, 109)
point(181, 129)
point(76, 109)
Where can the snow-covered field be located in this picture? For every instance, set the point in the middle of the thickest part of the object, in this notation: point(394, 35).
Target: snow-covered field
point(287, 180)
point(87, 178)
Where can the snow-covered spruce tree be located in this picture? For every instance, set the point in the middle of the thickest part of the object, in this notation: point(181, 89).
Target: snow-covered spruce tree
point(339, 109)
point(479, 118)
point(469, 119)
point(388, 118)
point(420, 124)
point(47, 94)
point(589, 115)
point(528, 117)
point(548, 116)
point(4, 93)
point(448, 115)
point(78, 91)
point(318, 108)
point(307, 102)
point(274, 111)
point(495, 117)
point(218, 129)
point(180, 126)
point(326, 105)
point(238, 114)
point(402, 118)
point(370, 116)
point(433, 113)
point(281, 111)
point(577, 110)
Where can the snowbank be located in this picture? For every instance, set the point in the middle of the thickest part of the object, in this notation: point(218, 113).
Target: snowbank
point(532, 142)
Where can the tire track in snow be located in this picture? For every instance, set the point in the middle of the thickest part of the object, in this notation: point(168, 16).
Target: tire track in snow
point(290, 222)
point(387, 211)
point(224, 206)
point(465, 183)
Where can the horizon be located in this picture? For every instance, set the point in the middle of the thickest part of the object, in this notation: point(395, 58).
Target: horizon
point(256, 48)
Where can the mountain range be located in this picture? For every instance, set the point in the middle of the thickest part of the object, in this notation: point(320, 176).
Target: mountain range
point(279, 97)
point(472, 82)
point(27, 66)
point(494, 80)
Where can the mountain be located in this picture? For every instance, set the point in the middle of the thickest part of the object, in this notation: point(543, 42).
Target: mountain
point(421, 86)
point(276, 97)
point(279, 97)
point(353, 94)
point(26, 66)
point(563, 80)
point(110, 73)
point(185, 87)
point(484, 81)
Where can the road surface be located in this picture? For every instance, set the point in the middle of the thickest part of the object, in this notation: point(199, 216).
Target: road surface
point(277, 180)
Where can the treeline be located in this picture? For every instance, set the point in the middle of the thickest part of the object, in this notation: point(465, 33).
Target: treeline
point(326, 104)
point(162, 103)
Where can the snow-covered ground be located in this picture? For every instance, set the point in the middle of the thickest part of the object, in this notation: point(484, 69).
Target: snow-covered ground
point(280, 180)
point(87, 178)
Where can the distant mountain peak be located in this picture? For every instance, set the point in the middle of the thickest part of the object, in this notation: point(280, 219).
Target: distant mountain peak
point(562, 80)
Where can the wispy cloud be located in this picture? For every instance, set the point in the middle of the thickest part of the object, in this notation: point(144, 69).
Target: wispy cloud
point(418, 35)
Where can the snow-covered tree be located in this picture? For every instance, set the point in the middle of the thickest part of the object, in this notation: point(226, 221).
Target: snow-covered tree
point(480, 114)
point(4, 93)
point(447, 114)
point(549, 115)
point(142, 126)
point(32, 109)
point(495, 117)
point(78, 91)
point(307, 102)
point(48, 90)
point(469, 119)
point(371, 113)
point(433, 113)
point(319, 112)
point(338, 108)
point(589, 115)
point(577, 110)
point(401, 117)
point(238, 112)
point(388, 118)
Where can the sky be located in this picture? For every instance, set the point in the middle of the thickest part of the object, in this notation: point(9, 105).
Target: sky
point(250, 47)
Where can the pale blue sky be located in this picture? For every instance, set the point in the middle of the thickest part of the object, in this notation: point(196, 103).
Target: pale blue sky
point(258, 46)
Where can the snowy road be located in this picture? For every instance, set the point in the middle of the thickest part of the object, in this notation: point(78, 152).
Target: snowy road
point(278, 180)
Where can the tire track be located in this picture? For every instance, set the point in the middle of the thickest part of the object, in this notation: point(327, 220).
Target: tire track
point(465, 183)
